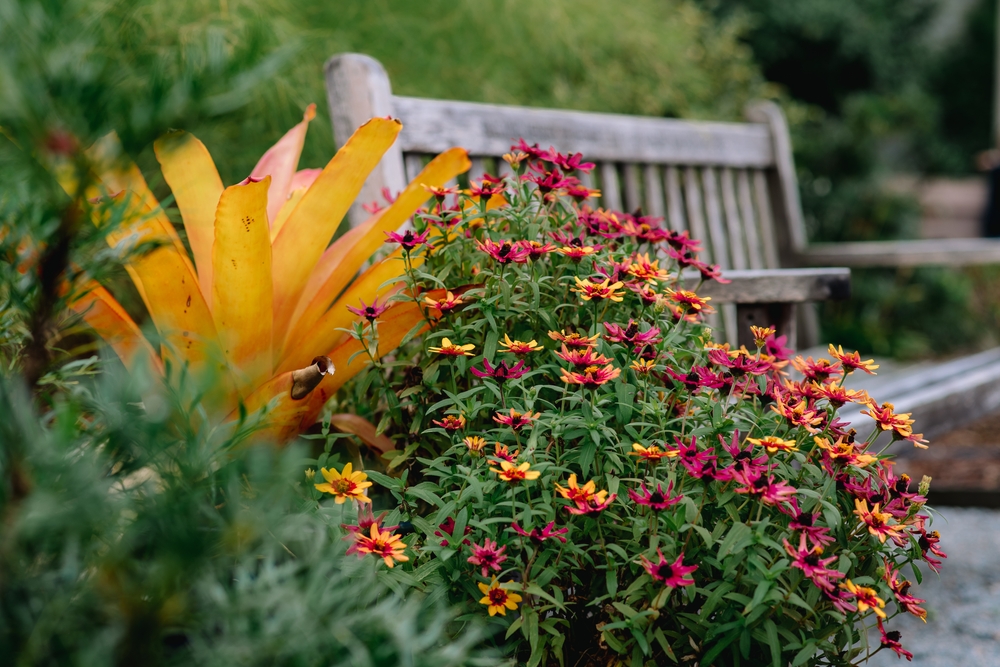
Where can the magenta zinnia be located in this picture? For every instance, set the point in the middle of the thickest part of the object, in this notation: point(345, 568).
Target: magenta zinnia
point(669, 574)
point(489, 556)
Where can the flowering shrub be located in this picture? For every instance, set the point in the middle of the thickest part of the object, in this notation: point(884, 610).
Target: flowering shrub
point(579, 462)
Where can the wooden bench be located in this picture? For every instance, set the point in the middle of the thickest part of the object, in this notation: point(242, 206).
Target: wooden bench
point(720, 181)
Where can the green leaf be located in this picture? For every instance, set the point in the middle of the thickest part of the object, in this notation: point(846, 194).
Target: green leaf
point(736, 540)
point(771, 630)
point(611, 580)
point(384, 481)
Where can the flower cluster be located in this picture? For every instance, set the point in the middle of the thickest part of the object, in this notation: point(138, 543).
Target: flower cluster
point(626, 485)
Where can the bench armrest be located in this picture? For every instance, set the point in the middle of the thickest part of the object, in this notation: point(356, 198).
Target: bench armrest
point(775, 285)
point(919, 252)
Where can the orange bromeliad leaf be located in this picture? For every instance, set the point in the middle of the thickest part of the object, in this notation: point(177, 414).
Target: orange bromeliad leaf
point(312, 224)
point(364, 429)
point(106, 316)
point(280, 161)
point(342, 260)
point(191, 174)
point(241, 286)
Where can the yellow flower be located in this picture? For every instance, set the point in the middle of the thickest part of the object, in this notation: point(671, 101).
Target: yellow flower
point(774, 444)
point(345, 485)
point(581, 494)
point(310, 474)
point(643, 366)
point(475, 444)
point(867, 598)
point(450, 349)
point(510, 473)
point(761, 334)
point(651, 453)
point(603, 290)
point(519, 347)
point(498, 599)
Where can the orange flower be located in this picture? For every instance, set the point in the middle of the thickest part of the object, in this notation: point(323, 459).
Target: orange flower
point(845, 452)
point(774, 444)
point(574, 339)
point(798, 415)
point(518, 347)
point(382, 544)
point(497, 598)
point(510, 473)
point(643, 366)
point(852, 361)
point(576, 253)
point(761, 334)
point(652, 453)
point(598, 291)
point(642, 269)
point(345, 485)
point(449, 349)
point(689, 302)
point(449, 303)
point(591, 377)
point(877, 522)
point(585, 494)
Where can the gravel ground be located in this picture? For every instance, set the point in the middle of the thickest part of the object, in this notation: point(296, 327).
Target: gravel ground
point(963, 626)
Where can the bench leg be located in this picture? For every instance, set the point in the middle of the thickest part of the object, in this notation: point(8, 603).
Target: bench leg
point(779, 315)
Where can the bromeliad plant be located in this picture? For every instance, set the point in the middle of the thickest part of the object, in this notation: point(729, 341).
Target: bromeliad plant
point(580, 461)
point(257, 319)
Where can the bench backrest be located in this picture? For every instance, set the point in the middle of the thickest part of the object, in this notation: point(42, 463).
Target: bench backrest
point(732, 185)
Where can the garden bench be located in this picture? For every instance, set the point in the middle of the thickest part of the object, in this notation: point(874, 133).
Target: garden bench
point(717, 180)
point(732, 185)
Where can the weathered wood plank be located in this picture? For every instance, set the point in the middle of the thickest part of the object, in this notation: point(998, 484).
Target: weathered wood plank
point(414, 164)
point(478, 168)
point(919, 252)
point(696, 219)
point(675, 202)
point(633, 191)
point(788, 206)
point(713, 213)
point(754, 248)
point(734, 226)
point(768, 237)
point(610, 194)
point(431, 126)
point(653, 190)
point(358, 89)
point(775, 285)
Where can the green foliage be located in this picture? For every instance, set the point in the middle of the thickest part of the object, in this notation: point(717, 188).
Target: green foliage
point(674, 478)
point(126, 543)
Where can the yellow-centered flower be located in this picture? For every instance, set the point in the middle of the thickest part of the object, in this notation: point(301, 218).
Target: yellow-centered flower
point(345, 485)
point(498, 599)
point(450, 349)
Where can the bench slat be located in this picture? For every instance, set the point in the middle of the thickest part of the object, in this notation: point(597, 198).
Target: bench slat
point(919, 252)
point(734, 225)
point(654, 190)
point(675, 204)
point(633, 191)
point(695, 217)
point(768, 236)
point(432, 126)
point(754, 251)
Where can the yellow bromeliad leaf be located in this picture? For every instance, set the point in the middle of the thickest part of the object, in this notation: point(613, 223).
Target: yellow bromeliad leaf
point(191, 174)
point(261, 256)
point(312, 224)
point(241, 287)
point(363, 429)
point(343, 259)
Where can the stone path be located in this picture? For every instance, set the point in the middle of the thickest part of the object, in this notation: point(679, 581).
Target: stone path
point(963, 626)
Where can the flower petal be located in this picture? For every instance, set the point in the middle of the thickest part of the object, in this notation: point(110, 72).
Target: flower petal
point(280, 161)
point(105, 315)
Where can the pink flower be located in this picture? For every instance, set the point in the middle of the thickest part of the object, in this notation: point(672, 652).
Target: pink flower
point(370, 313)
point(582, 356)
point(658, 500)
point(671, 574)
point(501, 372)
point(590, 506)
point(504, 253)
point(409, 240)
point(683, 242)
point(815, 568)
point(365, 521)
point(515, 420)
point(698, 463)
point(539, 536)
point(630, 334)
point(697, 378)
point(901, 589)
point(764, 487)
point(447, 530)
point(572, 162)
point(805, 524)
point(743, 459)
point(488, 556)
point(890, 640)
point(535, 249)
point(487, 187)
